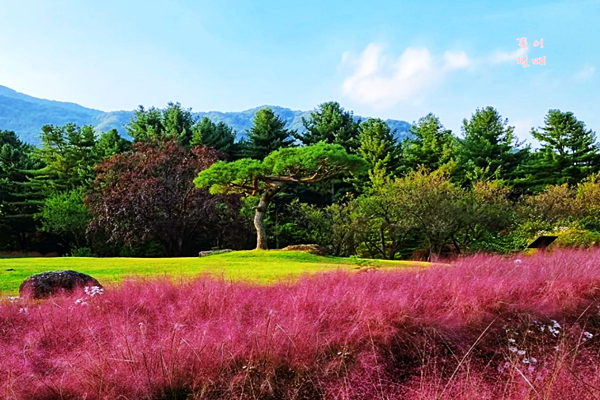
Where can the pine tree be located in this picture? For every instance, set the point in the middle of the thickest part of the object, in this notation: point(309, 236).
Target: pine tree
point(569, 152)
point(379, 148)
point(489, 149)
point(172, 123)
point(111, 143)
point(431, 145)
point(329, 123)
point(219, 136)
point(267, 134)
point(16, 213)
point(69, 154)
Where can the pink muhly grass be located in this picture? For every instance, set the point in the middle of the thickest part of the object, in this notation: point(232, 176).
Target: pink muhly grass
point(484, 327)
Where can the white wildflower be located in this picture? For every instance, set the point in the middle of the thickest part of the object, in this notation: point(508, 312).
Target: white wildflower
point(521, 352)
point(513, 349)
point(81, 302)
point(554, 328)
point(587, 336)
point(93, 290)
point(518, 261)
point(530, 360)
point(511, 340)
point(23, 310)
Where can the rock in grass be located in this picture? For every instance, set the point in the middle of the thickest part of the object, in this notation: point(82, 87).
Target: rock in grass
point(46, 284)
point(211, 252)
point(308, 248)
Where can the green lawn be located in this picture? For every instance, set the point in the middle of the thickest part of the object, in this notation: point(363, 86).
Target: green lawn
point(253, 265)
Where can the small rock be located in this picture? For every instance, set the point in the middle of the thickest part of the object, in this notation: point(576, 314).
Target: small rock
point(51, 283)
point(308, 248)
point(210, 252)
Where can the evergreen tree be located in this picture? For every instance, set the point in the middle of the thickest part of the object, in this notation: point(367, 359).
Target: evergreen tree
point(16, 213)
point(379, 148)
point(69, 154)
point(569, 152)
point(489, 149)
point(219, 136)
point(267, 134)
point(331, 124)
point(171, 123)
point(110, 144)
point(431, 145)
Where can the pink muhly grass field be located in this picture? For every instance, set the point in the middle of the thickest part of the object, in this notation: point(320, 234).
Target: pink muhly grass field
point(485, 327)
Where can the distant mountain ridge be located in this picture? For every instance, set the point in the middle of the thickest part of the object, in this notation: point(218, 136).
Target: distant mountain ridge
point(26, 114)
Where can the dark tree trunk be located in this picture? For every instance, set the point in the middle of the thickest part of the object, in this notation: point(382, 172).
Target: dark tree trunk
point(435, 250)
point(259, 216)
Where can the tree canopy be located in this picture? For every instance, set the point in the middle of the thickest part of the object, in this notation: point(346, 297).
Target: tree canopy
point(149, 194)
point(219, 136)
point(431, 145)
point(569, 151)
point(342, 183)
point(267, 134)
point(304, 165)
point(172, 123)
point(489, 149)
point(330, 123)
point(16, 212)
point(379, 147)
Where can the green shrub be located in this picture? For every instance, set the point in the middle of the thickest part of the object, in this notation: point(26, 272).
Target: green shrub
point(149, 248)
point(82, 252)
point(575, 236)
point(502, 243)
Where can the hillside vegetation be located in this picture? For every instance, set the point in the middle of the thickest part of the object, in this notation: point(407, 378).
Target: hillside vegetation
point(26, 115)
point(185, 184)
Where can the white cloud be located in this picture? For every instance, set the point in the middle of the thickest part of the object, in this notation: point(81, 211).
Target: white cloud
point(382, 82)
point(585, 73)
point(456, 59)
point(506, 56)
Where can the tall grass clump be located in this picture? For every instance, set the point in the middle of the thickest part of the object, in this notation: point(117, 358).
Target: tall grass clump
point(485, 327)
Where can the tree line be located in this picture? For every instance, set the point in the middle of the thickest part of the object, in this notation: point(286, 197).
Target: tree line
point(185, 184)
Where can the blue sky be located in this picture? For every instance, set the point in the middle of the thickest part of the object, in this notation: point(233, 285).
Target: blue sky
point(388, 59)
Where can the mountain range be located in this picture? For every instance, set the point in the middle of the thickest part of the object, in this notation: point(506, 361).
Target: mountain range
point(25, 115)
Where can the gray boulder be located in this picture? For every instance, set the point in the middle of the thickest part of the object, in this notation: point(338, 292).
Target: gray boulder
point(46, 284)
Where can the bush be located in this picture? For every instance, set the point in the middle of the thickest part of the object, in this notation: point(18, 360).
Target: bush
point(149, 248)
point(82, 252)
point(574, 236)
point(501, 244)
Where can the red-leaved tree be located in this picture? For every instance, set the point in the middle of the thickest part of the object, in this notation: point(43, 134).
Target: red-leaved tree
point(149, 194)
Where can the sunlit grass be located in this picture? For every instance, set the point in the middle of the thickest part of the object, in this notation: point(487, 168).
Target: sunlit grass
point(259, 266)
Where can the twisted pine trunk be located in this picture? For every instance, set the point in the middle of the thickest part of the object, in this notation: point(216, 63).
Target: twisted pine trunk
point(259, 216)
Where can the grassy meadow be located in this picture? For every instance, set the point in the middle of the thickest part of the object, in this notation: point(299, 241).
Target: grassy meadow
point(483, 327)
point(253, 265)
